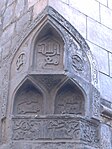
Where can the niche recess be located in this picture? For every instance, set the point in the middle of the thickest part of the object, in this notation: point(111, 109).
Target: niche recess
point(69, 100)
point(28, 100)
point(48, 50)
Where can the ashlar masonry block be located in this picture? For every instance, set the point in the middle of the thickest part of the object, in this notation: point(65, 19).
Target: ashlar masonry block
point(88, 7)
point(99, 34)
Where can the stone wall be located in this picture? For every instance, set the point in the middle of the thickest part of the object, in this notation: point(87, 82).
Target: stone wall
point(91, 18)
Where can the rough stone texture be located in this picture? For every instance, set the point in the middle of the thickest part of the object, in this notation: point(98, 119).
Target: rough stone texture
point(19, 9)
point(78, 19)
point(50, 83)
point(6, 37)
point(8, 16)
point(105, 137)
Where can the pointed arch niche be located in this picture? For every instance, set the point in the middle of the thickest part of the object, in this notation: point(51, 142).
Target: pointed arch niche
point(48, 50)
point(69, 99)
point(28, 100)
point(53, 93)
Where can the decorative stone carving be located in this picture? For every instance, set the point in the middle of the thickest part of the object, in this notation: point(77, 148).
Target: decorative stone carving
point(55, 129)
point(95, 103)
point(49, 54)
point(89, 133)
point(20, 62)
point(28, 101)
point(105, 137)
point(5, 88)
point(69, 100)
point(77, 62)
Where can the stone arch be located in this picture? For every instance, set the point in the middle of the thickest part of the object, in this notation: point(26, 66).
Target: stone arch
point(53, 16)
point(78, 61)
point(70, 99)
point(47, 46)
point(28, 99)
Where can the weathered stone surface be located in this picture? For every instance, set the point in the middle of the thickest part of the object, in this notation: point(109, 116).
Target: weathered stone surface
point(101, 56)
point(7, 34)
point(23, 22)
point(48, 76)
point(8, 16)
point(106, 15)
point(99, 34)
point(77, 19)
point(83, 6)
point(20, 7)
point(6, 49)
point(2, 6)
point(39, 7)
point(9, 2)
point(105, 87)
point(105, 137)
point(32, 2)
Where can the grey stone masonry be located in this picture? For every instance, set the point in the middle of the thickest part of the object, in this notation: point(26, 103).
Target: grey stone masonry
point(56, 74)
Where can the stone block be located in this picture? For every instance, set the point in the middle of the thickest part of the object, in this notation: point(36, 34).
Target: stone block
point(7, 34)
point(6, 49)
point(105, 137)
point(8, 16)
point(65, 1)
point(106, 15)
point(23, 22)
point(101, 57)
point(99, 34)
point(88, 7)
point(104, 2)
point(105, 87)
point(19, 9)
point(76, 18)
point(2, 6)
point(32, 2)
point(110, 63)
point(110, 4)
point(10, 2)
point(39, 7)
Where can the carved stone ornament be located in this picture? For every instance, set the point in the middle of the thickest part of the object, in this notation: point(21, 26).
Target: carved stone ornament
point(20, 62)
point(55, 129)
point(50, 99)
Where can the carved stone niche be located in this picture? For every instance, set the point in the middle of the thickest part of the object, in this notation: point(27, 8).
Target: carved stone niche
point(69, 100)
point(48, 50)
point(28, 100)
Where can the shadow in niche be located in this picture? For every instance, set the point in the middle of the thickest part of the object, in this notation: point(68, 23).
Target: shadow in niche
point(48, 49)
point(28, 100)
point(69, 100)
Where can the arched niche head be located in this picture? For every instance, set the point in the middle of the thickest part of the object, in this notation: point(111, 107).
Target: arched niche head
point(48, 50)
point(28, 100)
point(69, 99)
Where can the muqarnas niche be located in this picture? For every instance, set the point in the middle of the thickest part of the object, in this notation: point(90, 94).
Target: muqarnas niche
point(28, 100)
point(69, 100)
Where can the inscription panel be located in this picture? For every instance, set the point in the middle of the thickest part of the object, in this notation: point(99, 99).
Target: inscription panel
point(69, 101)
point(55, 129)
point(49, 54)
point(29, 101)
